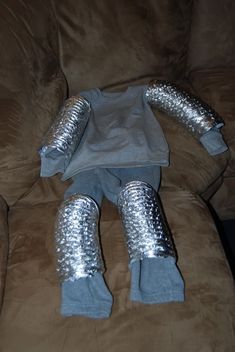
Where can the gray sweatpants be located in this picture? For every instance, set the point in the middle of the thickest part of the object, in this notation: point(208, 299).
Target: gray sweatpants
point(98, 183)
point(153, 280)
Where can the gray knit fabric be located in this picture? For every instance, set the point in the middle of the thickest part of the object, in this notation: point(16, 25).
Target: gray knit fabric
point(122, 132)
point(213, 142)
point(153, 280)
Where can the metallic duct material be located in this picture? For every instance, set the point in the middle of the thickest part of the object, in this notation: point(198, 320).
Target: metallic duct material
point(68, 128)
point(146, 232)
point(76, 236)
point(195, 114)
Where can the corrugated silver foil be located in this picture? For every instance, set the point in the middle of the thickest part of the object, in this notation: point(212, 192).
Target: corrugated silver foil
point(146, 232)
point(76, 237)
point(196, 115)
point(68, 127)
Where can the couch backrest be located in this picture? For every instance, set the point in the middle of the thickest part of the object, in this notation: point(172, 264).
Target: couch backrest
point(212, 43)
point(107, 42)
point(4, 245)
point(31, 87)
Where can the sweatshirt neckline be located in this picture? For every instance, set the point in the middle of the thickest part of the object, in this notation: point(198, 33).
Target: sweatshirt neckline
point(107, 95)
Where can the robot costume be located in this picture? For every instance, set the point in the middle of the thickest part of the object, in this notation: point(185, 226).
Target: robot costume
point(111, 145)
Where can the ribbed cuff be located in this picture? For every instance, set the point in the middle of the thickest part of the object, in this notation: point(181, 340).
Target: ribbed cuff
point(213, 142)
point(52, 162)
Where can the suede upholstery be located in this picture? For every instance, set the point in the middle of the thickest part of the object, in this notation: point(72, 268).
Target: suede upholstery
point(53, 48)
point(218, 88)
point(212, 42)
point(104, 43)
point(31, 310)
point(212, 73)
point(3, 247)
point(32, 85)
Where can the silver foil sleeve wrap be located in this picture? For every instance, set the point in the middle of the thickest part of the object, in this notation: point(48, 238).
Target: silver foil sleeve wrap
point(146, 232)
point(68, 127)
point(76, 237)
point(196, 115)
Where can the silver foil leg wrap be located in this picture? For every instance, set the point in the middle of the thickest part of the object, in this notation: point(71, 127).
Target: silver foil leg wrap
point(68, 127)
point(196, 115)
point(146, 232)
point(76, 237)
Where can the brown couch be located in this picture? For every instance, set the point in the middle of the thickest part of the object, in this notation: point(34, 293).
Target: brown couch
point(51, 49)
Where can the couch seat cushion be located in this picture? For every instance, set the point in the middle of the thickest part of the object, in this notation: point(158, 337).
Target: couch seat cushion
point(30, 318)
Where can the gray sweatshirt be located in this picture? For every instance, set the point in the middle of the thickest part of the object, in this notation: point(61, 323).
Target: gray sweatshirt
point(122, 132)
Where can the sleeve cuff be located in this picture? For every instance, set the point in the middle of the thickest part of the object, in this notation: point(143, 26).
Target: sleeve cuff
point(213, 142)
point(52, 162)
